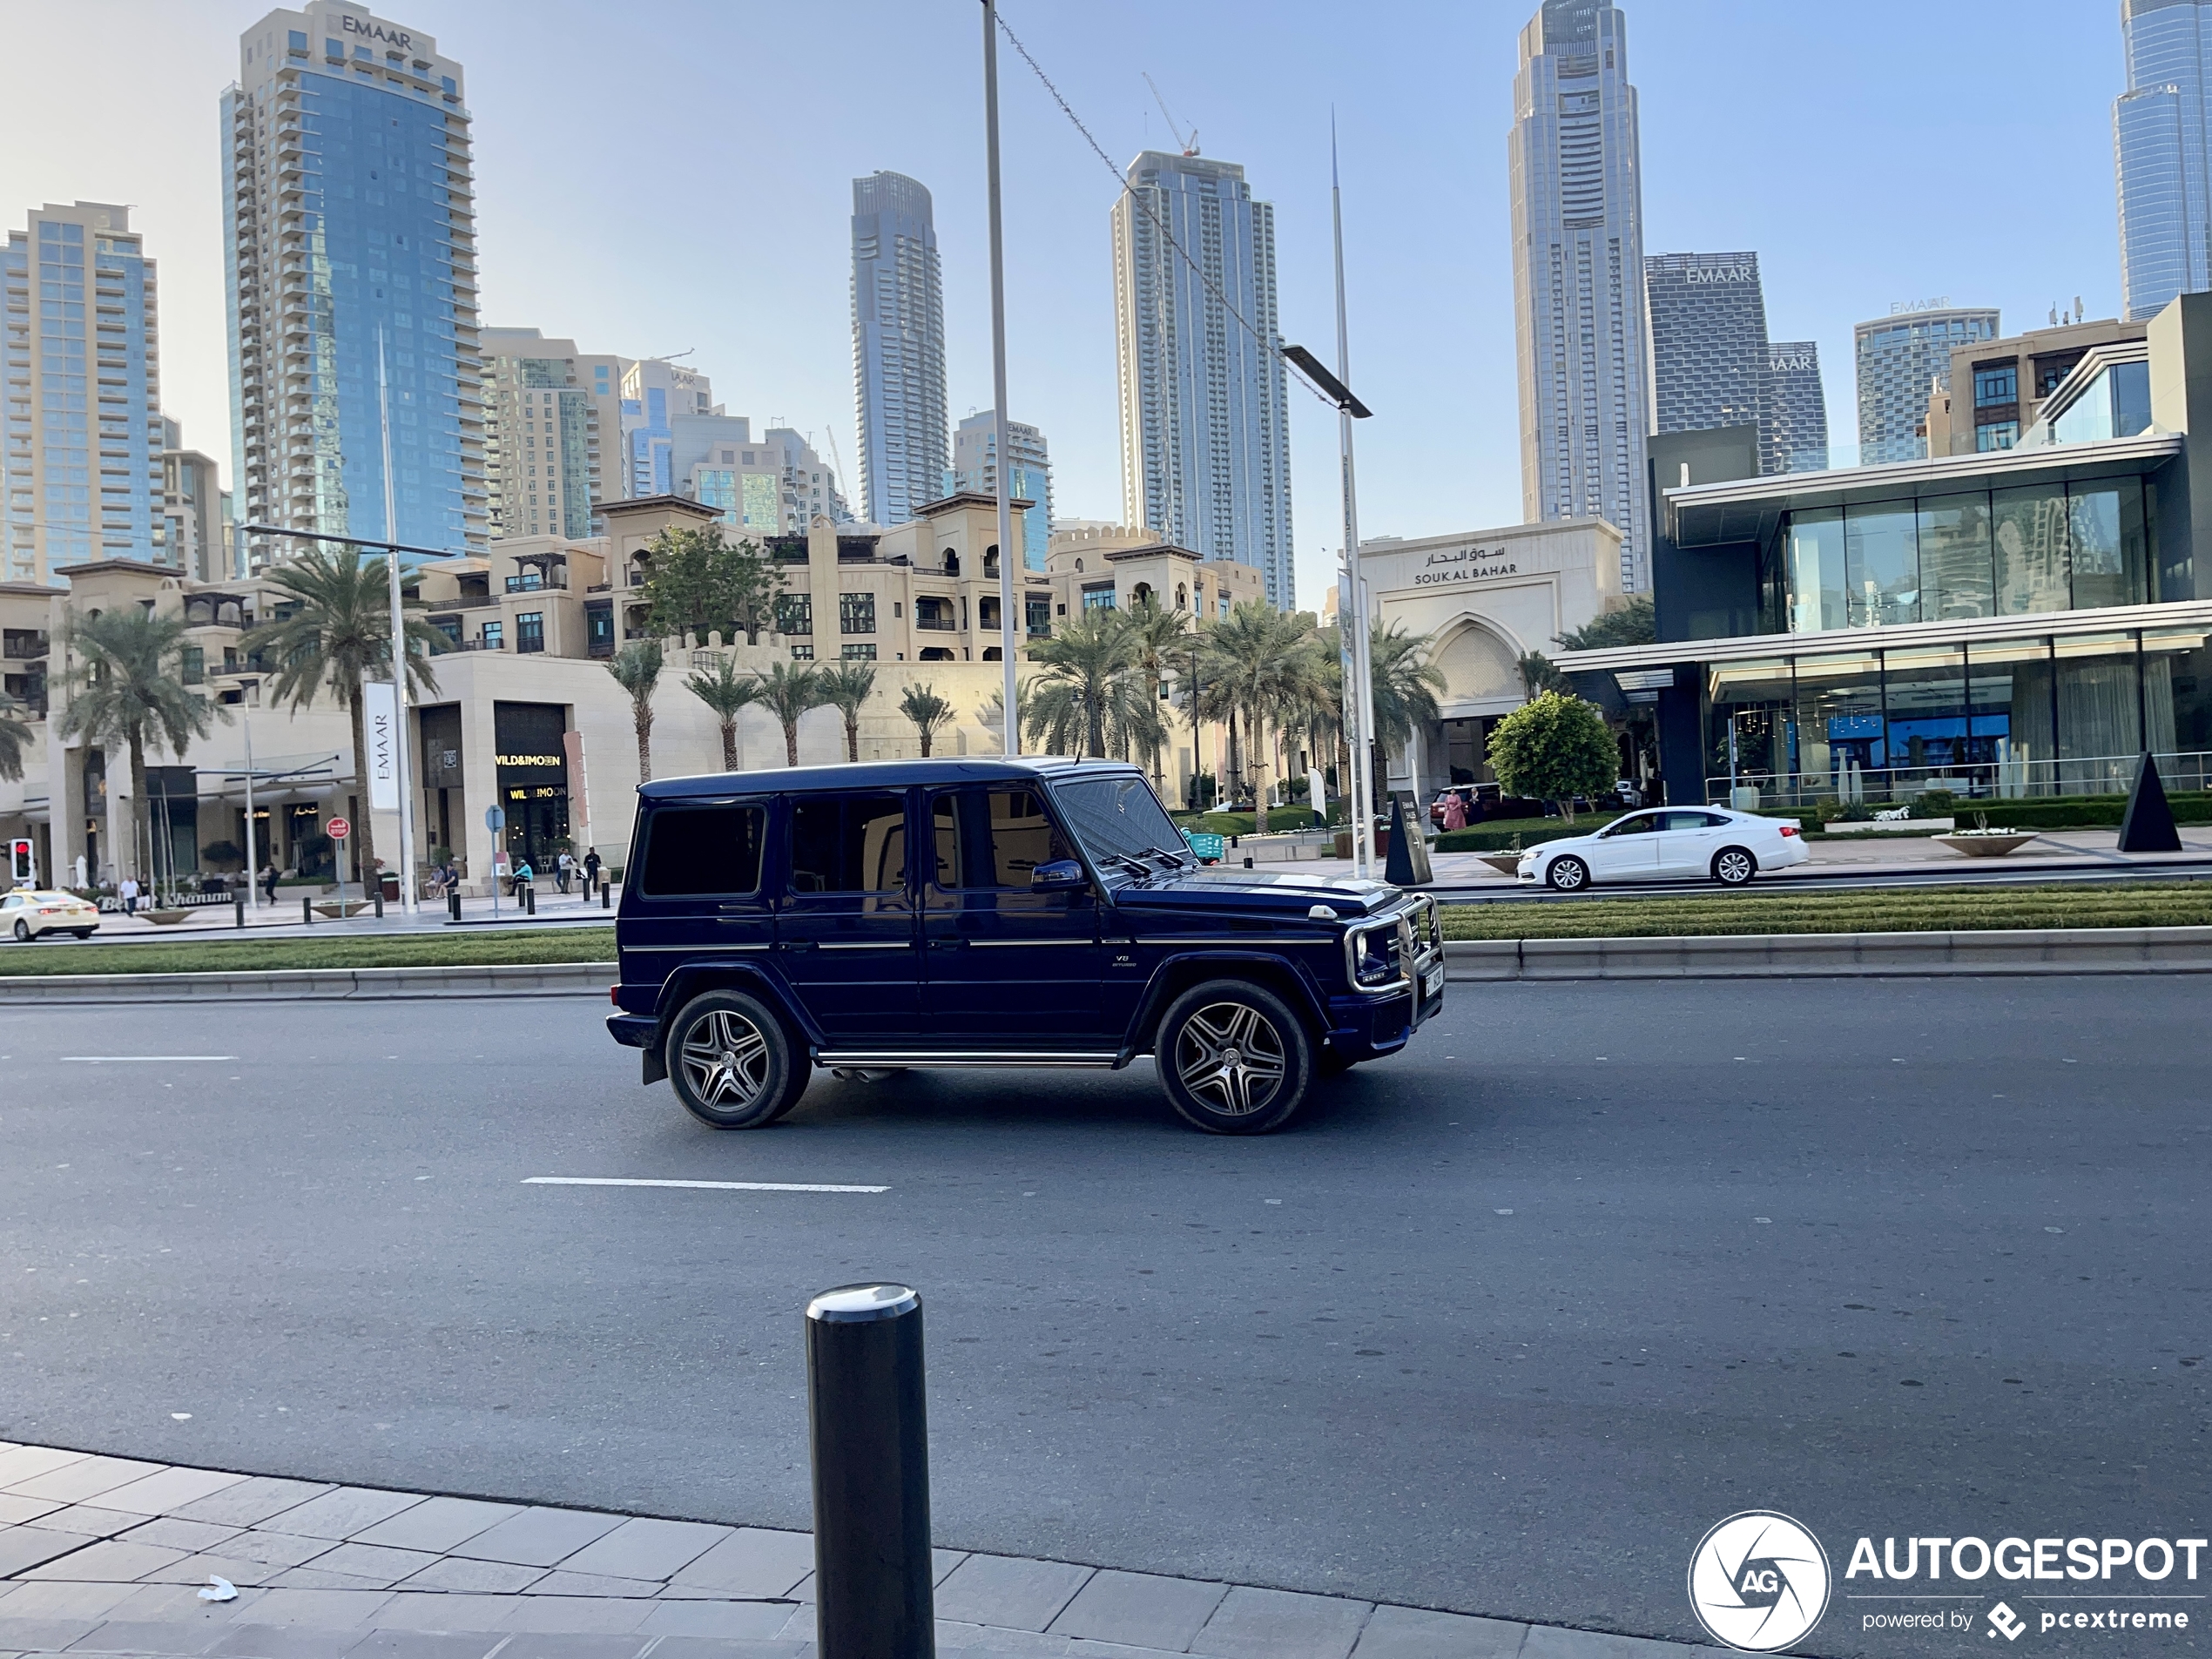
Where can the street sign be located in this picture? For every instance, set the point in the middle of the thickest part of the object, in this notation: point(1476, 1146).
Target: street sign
point(340, 829)
point(495, 818)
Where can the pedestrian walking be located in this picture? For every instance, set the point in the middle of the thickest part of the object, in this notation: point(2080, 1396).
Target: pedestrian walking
point(590, 868)
point(129, 894)
point(1455, 811)
point(564, 867)
point(269, 880)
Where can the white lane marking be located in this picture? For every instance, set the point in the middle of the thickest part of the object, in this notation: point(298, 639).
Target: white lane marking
point(120, 1059)
point(711, 1186)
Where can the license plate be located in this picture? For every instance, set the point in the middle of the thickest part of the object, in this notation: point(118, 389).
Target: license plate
point(1432, 981)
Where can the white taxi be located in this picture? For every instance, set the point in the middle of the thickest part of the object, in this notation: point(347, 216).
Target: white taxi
point(1668, 844)
point(31, 912)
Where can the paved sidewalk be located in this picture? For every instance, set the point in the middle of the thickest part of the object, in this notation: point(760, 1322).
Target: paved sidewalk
point(104, 1555)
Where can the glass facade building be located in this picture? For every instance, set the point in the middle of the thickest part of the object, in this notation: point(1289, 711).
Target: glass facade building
point(1205, 412)
point(541, 437)
point(1578, 277)
point(2159, 136)
point(2018, 620)
point(83, 381)
point(1796, 430)
point(350, 236)
point(1901, 359)
point(898, 346)
point(975, 467)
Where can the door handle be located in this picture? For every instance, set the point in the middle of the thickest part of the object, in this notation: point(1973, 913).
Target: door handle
point(955, 943)
point(798, 944)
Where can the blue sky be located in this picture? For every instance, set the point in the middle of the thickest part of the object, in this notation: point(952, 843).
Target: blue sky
point(669, 173)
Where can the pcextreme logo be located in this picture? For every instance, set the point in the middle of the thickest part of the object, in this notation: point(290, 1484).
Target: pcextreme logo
point(1758, 1582)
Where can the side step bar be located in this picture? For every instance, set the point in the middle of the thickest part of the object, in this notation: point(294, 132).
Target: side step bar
point(879, 1059)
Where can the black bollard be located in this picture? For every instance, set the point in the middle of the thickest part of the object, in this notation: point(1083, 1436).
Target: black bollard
point(870, 1432)
point(606, 891)
point(453, 901)
point(307, 910)
point(238, 909)
point(529, 898)
point(378, 900)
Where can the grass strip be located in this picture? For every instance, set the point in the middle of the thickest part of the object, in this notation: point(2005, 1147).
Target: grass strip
point(521, 945)
point(2161, 904)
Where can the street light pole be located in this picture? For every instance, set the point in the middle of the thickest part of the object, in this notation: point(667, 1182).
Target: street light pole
point(401, 760)
point(1363, 780)
point(1003, 471)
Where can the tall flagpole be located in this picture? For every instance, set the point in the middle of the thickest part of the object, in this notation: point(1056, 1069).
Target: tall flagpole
point(1363, 700)
point(1004, 468)
point(401, 766)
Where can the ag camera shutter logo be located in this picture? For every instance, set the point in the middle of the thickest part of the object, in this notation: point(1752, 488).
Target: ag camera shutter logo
point(1758, 1582)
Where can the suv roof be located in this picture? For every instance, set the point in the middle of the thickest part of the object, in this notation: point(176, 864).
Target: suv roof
point(880, 774)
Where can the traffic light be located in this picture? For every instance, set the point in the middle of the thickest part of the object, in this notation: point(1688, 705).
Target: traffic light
point(23, 870)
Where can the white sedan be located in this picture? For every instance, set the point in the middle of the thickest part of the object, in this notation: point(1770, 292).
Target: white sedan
point(1670, 843)
point(32, 912)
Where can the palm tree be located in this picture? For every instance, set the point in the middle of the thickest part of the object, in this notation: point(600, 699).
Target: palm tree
point(636, 668)
point(1083, 665)
point(991, 715)
point(1257, 662)
point(787, 690)
point(1154, 633)
point(14, 735)
point(1405, 684)
point(334, 630)
point(725, 691)
point(128, 688)
point(930, 713)
point(845, 687)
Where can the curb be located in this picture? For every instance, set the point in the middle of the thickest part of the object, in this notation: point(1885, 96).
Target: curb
point(314, 984)
point(2083, 950)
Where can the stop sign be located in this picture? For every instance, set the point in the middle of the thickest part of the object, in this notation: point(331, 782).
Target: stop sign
point(340, 829)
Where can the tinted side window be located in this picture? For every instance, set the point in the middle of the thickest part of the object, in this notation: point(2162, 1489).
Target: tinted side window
point(1641, 824)
point(848, 843)
point(992, 838)
point(694, 851)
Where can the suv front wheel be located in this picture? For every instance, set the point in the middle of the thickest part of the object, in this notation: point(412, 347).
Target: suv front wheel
point(1233, 1059)
point(733, 1061)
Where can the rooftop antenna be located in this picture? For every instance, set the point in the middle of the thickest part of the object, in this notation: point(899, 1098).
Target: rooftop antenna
point(1189, 143)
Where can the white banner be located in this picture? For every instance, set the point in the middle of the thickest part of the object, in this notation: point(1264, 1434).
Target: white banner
point(380, 732)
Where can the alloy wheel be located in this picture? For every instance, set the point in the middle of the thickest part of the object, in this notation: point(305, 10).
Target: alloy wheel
point(1733, 867)
point(1230, 1055)
point(726, 1060)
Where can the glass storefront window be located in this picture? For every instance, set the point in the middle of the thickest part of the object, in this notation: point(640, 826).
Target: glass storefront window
point(2100, 698)
point(1750, 704)
point(2009, 681)
point(1881, 565)
point(2028, 527)
point(2111, 555)
point(2177, 701)
point(1817, 571)
point(1957, 575)
point(1837, 714)
point(1924, 696)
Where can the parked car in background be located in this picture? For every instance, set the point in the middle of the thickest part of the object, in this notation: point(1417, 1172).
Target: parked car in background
point(32, 912)
point(1670, 843)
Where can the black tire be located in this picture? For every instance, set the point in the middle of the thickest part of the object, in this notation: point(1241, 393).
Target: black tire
point(22, 931)
point(1567, 873)
point(82, 932)
point(1733, 866)
point(732, 1062)
point(1233, 1059)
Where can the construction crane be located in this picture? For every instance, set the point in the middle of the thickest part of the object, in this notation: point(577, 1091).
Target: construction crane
point(1189, 143)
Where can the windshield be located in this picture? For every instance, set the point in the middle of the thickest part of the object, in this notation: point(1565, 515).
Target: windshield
point(1120, 817)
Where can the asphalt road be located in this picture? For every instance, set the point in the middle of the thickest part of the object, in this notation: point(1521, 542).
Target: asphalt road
point(1504, 1328)
point(1818, 879)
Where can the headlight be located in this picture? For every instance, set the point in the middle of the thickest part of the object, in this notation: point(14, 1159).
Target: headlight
point(1374, 955)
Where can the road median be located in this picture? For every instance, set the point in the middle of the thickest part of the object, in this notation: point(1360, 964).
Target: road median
point(2019, 950)
point(314, 984)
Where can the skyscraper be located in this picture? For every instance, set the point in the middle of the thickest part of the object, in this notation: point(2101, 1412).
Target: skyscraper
point(1709, 345)
point(655, 391)
point(195, 509)
point(1794, 435)
point(83, 397)
point(1206, 418)
point(1578, 276)
point(542, 442)
point(1899, 358)
point(350, 221)
point(976, 467)
point(898, 346)
point(2159, 127)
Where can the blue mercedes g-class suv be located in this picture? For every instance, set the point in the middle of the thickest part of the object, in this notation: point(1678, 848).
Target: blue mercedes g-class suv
point(992, 912)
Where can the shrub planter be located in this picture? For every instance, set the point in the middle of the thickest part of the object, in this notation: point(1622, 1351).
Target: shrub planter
point(165, 918)
point(1986, 844)
point(1506, 864)
point(330, 908)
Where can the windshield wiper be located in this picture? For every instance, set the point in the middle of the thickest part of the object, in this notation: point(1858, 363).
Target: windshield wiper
point(1134, 865)
point(1175, 859)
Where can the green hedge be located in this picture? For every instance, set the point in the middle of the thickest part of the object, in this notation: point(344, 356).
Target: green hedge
point(1279, 818)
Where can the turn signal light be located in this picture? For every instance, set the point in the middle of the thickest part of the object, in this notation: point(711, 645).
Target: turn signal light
point(614, 995)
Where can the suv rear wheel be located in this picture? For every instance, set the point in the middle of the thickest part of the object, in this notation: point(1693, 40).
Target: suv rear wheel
point(1233, 1059)
point(733, 1061)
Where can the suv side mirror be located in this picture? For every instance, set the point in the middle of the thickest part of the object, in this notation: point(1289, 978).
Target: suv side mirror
point(1058, 875)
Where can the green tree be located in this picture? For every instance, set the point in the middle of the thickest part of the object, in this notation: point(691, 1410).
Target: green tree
point(929, 712)
point(1636, 624)
point(1540, 674)
point(699, 581)
point(845, 687)
point(337, 633)
point(727, 692)
point(992, 715)
point(1406, 684)
point(127, 687)
point(1553, 749)
point(636, 668)
point(1158, 636)
point(1083, 667)
point(788, 690)
point(1261, 665)
point(15, 735)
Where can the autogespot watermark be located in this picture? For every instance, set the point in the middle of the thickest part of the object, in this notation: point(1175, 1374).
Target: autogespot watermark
point(1760, 1581)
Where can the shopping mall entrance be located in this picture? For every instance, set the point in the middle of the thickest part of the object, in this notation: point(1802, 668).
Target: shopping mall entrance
point(533, 774)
